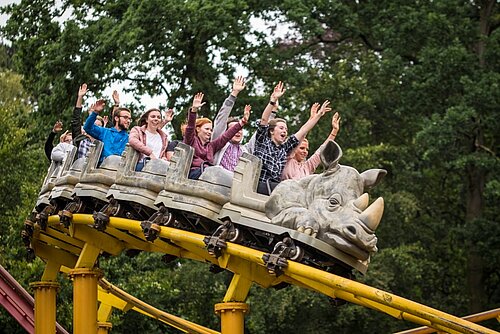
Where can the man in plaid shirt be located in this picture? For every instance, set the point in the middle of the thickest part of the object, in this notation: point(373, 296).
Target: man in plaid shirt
point(272, 145)
point(80, 138)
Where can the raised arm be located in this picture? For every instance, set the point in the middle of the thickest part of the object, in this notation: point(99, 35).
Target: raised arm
point(313, 120)
point(116, 100)
point(278, 92)
point(220, 122)
point(89, 126)
point(250, 145)
point(335, 127)
point(190, 129)
point(169, 116)
point(49, 143)
point(314, 160)
point(76, 119)
point(229, 133)
point(81, 93)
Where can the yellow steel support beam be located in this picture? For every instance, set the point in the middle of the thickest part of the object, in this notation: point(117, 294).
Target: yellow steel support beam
point(491, 314)
point(104, 311)
point(130, 240)
point(51, 270)
point(88, 256)
point(84, 300)
point(62, 235)
point(45, 306)
point(49, 239)
point(232, 317)
point(238, 289)
point(249, 265)
point(97, 239)
point(104, 327)
point(438, 319)
point(117, 298)
point(53, 254)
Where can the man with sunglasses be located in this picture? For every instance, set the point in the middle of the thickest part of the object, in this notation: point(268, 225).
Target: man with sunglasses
point(114, 139)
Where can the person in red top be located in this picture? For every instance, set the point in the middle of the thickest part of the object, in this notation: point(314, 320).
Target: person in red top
point(198, 135)
point(148, 138)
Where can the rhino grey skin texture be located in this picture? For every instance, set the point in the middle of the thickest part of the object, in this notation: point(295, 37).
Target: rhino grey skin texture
point(331, 206)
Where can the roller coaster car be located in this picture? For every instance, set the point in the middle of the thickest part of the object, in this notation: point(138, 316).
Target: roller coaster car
point(134, 191)
point(89, 193)
point(65, 184)
point(195, 204)
point(46, 205)
point(246, 210)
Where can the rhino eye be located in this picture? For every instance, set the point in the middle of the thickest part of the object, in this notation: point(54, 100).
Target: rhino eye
point(334, 201)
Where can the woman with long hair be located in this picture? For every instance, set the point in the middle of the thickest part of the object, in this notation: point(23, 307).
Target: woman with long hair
point(147, 137)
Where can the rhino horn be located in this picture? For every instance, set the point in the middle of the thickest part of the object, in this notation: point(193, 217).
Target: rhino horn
point(362, 202)
point(372, 215)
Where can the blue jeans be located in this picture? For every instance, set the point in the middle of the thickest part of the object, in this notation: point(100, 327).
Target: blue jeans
point(139, 166)
point(195, 173)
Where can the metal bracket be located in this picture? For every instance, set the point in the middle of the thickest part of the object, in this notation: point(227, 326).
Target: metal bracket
point(42, 218)
point(101, 218)
point(66, 215)
point(26, 235)
point(216, 242)
point(151, 227)
point(277, 260)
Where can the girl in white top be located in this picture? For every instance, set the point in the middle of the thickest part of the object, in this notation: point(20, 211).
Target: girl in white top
point(62, 149)
point(148, 138)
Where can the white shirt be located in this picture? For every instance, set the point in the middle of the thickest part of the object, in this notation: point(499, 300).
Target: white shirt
point(153, 141)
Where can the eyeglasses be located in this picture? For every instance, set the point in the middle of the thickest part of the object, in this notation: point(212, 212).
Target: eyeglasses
point(126, 117)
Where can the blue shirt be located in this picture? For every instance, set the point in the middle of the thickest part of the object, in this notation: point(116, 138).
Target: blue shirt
point(114, 141)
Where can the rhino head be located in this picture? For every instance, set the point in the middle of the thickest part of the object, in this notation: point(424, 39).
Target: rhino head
point(332, 206)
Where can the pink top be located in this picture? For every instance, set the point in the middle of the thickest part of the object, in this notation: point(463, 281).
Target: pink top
point(297, 170)
point(137, 139)
point(205, 152)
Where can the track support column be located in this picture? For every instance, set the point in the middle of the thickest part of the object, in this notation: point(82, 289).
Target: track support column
point(84, 300)
point(104, 327)
point(45, 306)
point(232, 316)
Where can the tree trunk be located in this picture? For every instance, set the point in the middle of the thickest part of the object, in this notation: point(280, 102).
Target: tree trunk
point(476, 178)
point(475, 264)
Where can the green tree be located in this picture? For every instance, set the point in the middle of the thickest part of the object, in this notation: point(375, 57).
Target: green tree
point(22, 171)
point(416, 85)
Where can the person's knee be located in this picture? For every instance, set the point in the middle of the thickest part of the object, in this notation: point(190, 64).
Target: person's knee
point(194, 174)
point(139, 166)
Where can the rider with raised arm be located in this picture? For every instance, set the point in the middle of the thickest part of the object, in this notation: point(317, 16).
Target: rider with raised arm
point(272, 145)
point(229, 155)
point(114, 139)
point(298, 166)
point(81, 139)
point(148, 137)
point(49, 143)
point(198, 135)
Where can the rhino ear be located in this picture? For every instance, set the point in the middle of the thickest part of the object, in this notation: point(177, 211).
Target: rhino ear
point(330, 154)
point(372, 177)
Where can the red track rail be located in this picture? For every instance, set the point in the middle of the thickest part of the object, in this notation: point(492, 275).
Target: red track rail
point(19, 303)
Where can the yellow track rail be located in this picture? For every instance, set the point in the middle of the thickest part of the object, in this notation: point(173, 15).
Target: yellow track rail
point(246, 263)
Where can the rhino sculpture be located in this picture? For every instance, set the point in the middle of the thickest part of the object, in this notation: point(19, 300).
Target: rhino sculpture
point(331, 206)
